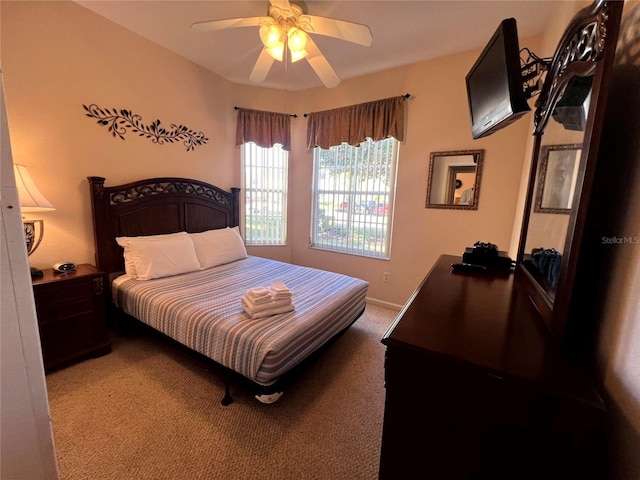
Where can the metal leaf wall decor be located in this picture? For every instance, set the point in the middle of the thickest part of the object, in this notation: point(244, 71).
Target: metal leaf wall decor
point(120, 122)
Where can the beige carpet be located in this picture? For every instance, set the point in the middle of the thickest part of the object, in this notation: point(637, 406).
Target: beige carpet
point(150, 411)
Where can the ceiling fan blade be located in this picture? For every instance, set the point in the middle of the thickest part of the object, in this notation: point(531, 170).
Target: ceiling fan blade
point(262, 67)
point(283, 4)
point(213, 25)
point(331, 27)
point(321, 66)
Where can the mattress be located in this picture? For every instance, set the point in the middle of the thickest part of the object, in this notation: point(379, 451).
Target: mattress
point(202, 310)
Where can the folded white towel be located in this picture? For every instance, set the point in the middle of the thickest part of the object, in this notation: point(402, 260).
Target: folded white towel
point(271, 311)
point(258, 291)
point(253, 307)
point(280, 296)
point(259, 300)
point(279, 287)
point(279, 290)
point(259, 294)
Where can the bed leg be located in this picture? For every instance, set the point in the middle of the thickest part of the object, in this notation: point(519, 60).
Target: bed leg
point(227, 399)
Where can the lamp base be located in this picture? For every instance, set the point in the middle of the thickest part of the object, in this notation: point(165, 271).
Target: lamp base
point(36, 273)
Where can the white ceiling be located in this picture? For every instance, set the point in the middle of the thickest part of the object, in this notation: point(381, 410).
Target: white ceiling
point(404, 32)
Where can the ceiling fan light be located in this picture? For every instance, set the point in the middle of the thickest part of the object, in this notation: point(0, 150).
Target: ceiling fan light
point(298, 55)
point(271, 35)
point(297, 40)
point(276, 51)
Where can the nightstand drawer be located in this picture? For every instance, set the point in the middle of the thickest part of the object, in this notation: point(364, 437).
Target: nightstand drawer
point(72, 315)
point(68, 298)
point(68, 338)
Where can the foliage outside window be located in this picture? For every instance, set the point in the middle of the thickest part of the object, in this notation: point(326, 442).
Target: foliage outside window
point(264, 182)
point(353, 193)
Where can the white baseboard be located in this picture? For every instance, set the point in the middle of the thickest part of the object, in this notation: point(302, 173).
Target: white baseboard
point(382, 303)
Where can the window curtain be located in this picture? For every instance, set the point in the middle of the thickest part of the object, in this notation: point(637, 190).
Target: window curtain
point(354, 124)
point(265, 129)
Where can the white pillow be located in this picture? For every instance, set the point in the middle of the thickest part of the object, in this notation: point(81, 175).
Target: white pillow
point(216, 247)
point(129, 265)
point(157, 256)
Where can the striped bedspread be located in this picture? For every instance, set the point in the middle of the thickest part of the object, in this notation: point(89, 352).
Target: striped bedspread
point(202, 310)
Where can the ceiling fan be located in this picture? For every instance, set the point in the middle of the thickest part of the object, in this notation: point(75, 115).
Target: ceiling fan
point(285, 33)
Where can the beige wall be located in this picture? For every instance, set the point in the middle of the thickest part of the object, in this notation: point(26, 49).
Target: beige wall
point(545, 223)
point(618, 355)
point(58, 56)
point(437, 120)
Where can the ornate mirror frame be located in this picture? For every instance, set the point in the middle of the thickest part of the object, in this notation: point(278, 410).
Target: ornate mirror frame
point(561, 175)
point(587, 49)
point(476, 159)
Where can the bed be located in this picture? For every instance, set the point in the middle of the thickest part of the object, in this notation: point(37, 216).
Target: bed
point(194, 298)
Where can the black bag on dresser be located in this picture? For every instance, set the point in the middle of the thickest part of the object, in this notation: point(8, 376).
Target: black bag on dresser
point(547, 261)
point(488, 256)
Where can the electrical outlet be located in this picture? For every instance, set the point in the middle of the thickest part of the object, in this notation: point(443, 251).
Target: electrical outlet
point(386, 277)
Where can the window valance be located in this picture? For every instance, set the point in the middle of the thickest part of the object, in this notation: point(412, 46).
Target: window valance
point(354, 124)
point(265, 129)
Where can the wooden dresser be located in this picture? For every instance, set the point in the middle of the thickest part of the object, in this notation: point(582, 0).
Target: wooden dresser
point(72, 315)
point(474, 389)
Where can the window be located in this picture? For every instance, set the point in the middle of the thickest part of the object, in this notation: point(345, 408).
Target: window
point(264, 181)
point(353, 192)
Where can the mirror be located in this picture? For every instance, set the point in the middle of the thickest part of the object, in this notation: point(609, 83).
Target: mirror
point(567, 124)
point(557, 178)
point(454, 179)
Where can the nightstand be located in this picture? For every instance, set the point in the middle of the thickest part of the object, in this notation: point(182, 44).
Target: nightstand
point(72, 315)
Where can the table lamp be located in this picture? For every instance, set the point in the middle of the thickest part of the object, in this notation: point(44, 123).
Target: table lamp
point(31, 200)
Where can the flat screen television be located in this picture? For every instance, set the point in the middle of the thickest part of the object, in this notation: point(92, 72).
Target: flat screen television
point(494, 83)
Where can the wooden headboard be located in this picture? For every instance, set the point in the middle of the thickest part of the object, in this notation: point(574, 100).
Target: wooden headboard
point(155, 206)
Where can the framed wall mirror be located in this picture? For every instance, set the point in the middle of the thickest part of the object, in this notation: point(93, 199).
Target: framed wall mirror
point(454, 179)
point(557, 177)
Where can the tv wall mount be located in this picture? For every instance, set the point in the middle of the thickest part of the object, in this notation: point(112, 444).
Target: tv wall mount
point(532, 71)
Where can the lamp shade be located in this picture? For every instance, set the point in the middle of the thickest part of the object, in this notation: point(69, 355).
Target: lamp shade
point(31, 200)
point(298, 55)
point(271, 35)
point(297, 39)
point(277, 51)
